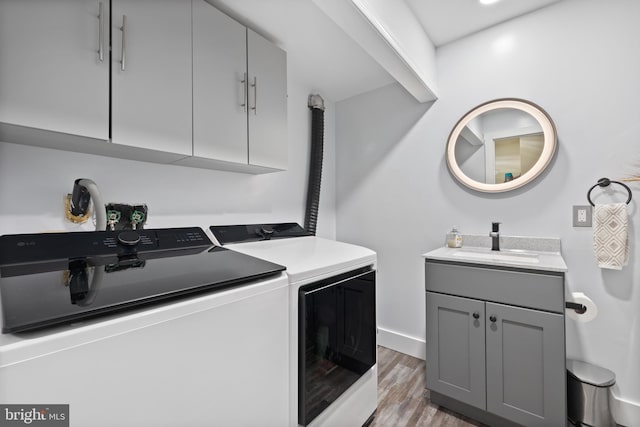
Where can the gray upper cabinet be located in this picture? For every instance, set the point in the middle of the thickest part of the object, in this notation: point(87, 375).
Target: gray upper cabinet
point(267, 66)
point(220, 85)
point(54, 65)
point(168, 81)
point(496, 343)
point(151, 105)
point(239, 96)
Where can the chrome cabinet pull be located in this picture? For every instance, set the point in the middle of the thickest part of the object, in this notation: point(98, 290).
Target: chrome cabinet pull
point(100, 32)
point(123, 55)
point(254, 85)
point(244, 82)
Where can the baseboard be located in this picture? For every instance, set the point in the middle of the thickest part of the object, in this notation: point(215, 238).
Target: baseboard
point(625, 412)
point(403, 343)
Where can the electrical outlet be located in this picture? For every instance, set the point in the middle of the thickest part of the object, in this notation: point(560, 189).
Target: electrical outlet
point(582, 216)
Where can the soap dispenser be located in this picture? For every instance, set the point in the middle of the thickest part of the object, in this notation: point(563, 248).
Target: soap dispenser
point(454, 238)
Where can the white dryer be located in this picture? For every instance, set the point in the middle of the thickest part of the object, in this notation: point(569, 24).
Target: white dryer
point(333, 374)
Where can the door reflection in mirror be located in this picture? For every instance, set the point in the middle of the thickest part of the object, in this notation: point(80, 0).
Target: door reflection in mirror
point(516, 155)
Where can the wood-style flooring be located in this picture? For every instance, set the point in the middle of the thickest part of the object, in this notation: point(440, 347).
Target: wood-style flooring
point(402, 398)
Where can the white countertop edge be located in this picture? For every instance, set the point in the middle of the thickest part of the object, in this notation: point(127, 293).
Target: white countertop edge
point(549, 261)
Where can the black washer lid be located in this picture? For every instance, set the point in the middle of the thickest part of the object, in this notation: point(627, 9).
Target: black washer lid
point(590, 374)
point(257, 232)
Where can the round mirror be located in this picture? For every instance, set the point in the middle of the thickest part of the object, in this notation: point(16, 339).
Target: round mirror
point(501, 145)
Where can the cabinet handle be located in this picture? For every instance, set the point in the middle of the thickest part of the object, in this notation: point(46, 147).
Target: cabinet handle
point(254, 85)
point(476, 315)
point(100, 32)
point(123, 54)
point(245, 83)
point(493, 318)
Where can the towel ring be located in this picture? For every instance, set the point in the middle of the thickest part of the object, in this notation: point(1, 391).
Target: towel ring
point(604, 182)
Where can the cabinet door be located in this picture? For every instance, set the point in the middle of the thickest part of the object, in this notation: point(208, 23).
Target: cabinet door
point(526, 380)
point(455, 348)
point(267, 65)
point(51, 75)
point(219, 85)
point(151, 89)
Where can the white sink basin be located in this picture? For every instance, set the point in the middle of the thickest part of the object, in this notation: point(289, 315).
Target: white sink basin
point(493, 256)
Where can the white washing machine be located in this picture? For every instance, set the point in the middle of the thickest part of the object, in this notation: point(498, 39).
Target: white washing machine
point(333, 370)
point(154, 328)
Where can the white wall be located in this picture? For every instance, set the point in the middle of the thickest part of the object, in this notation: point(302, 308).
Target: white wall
point(577, 59)
point(33, 182)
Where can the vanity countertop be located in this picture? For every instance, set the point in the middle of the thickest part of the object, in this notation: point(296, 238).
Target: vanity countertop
point(525, 252)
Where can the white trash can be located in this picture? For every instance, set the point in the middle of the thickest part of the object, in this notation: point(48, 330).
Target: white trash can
point(589, 394)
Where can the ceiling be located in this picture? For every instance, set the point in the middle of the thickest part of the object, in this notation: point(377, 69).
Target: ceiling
point(326, 59)
point(447, 20)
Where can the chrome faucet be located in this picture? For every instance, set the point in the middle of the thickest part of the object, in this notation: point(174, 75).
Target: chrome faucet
point(495, 236)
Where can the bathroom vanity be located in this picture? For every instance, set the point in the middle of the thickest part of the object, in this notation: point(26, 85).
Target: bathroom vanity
point(496, 335)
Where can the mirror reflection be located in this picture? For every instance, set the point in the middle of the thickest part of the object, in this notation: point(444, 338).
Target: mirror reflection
point(501, 145)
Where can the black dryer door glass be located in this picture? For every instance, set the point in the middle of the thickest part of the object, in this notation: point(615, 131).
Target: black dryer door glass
point(337, 339)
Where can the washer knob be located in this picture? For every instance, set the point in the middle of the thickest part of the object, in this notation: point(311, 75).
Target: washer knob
point(129, 238)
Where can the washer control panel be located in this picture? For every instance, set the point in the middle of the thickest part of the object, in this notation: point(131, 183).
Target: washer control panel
point(30, 248)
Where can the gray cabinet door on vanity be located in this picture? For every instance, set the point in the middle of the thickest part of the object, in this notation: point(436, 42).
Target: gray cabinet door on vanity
point(456, 365)
point(525, 365)
point(54, 59)
point(151, 104)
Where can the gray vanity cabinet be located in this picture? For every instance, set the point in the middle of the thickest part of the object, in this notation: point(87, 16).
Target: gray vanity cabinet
point(496, 355)
point(456, 365)
point(525, 365)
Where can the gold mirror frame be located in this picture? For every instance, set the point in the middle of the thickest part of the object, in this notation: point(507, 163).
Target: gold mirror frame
point(549, 148)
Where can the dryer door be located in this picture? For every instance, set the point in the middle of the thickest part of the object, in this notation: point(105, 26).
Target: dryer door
point(337, 342)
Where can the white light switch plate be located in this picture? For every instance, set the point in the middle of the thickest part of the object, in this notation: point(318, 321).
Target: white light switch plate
point(582, 216)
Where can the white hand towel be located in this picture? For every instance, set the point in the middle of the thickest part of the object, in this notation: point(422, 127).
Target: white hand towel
point(610, 237)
